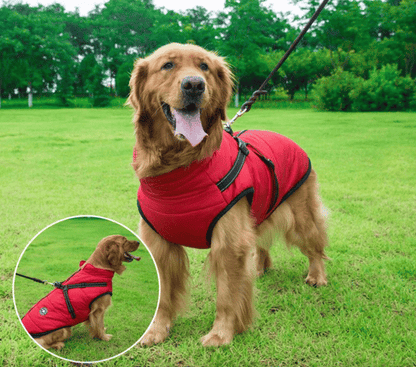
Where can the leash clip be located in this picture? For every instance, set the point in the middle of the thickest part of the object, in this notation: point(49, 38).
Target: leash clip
point(240, 113)
point(47, 283)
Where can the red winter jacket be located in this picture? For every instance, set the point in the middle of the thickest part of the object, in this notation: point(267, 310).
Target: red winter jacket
point(71, 303)
point(184, 205)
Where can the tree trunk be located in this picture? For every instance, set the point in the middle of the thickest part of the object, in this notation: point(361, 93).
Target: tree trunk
point(236, 98)
point(30, 96)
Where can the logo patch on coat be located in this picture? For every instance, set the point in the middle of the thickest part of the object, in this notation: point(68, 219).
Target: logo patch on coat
point(43, 311)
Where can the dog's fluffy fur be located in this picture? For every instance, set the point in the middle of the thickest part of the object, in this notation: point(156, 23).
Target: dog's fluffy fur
point(238, 249)
point(110, 255)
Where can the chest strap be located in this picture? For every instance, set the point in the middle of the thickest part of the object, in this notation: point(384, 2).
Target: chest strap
point(65, 289)
point(232, 174)
point(243, 151)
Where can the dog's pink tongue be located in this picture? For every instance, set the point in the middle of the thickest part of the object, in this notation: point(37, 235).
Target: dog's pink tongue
point(189, 125)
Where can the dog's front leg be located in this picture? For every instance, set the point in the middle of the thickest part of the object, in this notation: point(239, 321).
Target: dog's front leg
point(172, 263)
point(232, 262)
point(95, 321)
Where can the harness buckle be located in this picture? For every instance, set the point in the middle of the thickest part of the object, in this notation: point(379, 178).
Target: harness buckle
point(229, 130)
point(243, 147)
point(57, 285)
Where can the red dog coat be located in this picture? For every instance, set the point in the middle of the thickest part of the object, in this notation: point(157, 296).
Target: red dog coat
point(184, 205)
point(71, 303)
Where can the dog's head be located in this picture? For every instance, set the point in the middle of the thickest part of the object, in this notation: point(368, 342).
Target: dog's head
point(113, 250)
point(180, 92)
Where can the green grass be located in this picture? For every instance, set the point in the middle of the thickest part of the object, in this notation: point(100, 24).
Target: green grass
point(56, 164)
point(55, 254)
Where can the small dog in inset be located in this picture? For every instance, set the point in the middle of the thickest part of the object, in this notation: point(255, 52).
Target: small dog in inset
point(83, 297)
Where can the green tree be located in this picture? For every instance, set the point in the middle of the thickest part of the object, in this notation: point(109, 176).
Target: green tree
point(65, 83)
point(400, 47)
point(342, 24)
point(300, 70)
point(344, 27)
point(8, 46)
point(385, 90)
point(123, 28)
point(86, 76)
point(99, 95)
point(80, 31)
point(248, 29)
point(40, 47)
point(198, 28)
point(333, 93)
point(123, 78)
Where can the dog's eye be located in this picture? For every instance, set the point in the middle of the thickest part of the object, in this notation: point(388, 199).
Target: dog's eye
point(204, 67)
point(169, 65)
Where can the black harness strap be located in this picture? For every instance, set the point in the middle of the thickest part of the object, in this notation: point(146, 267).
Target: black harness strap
point(68, 302)
point(269, 163)
point(65, 289)
point(232, 174)
point(243, 151)
point(86, 285)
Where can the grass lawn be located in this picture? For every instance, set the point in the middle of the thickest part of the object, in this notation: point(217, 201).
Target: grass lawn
point(66, 162)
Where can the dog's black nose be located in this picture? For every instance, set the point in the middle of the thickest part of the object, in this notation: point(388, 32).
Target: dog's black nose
point(193, 86)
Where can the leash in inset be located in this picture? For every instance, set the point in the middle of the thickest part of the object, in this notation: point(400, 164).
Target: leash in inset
point(247, 105)
point(55, 284)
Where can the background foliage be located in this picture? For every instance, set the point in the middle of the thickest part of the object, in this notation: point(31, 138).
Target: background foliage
point(48, 50)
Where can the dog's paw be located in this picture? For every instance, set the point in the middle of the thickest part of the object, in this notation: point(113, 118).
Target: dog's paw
point(155, 335)
point(58, 345)
point(106, 337)
point(215, 339)
point(261, 272)
point(317, 281)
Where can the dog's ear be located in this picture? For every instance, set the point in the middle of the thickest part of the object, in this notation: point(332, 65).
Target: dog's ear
point(225, 79)
point(137, 82)
point(114, 257)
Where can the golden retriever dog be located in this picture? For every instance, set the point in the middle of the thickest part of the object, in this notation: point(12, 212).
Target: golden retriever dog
point(84, 297)
point(180, 94)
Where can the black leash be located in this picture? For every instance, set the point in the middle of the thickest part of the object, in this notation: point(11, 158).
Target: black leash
point(55, 284)
point(247, 105)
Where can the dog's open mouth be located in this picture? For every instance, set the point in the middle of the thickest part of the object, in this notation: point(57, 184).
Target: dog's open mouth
point(186, 122)
point(129, 257)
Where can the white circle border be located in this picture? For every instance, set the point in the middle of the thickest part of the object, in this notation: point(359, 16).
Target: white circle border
point(85, 216)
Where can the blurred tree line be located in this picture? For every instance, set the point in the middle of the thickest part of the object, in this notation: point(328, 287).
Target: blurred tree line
point(46, 49)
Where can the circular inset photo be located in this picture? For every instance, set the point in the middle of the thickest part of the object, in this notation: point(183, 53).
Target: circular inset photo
point(86, 289)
